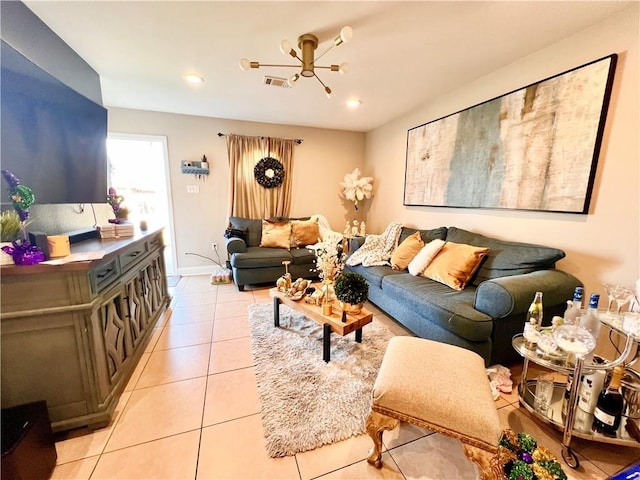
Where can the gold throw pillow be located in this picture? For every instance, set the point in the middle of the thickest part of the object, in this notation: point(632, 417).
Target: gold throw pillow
point(304, 232)
point(276, 234)
point(404, 253)
point(455, 264)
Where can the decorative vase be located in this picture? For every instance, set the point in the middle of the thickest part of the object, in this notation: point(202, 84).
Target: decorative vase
point(351, 307)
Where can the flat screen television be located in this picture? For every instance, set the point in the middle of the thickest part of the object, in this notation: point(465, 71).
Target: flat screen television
point(52, 137)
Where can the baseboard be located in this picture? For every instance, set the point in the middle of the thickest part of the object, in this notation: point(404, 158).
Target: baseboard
point(204, 270)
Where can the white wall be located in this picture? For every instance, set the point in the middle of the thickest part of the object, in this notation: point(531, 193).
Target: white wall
point(320, 164)
point(602, 246)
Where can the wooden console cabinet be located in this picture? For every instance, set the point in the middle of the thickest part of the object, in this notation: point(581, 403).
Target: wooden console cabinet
point(72, 334)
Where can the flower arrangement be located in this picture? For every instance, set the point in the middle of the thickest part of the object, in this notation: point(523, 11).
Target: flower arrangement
point(116, 201)
point(523, 459)
point(351, 287)
point(356, 188)
point(329, 262)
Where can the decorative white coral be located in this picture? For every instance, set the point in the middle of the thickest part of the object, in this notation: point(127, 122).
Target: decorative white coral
point(356, 188)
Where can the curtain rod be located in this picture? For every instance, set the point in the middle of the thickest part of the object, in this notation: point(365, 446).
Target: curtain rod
point(297, 141)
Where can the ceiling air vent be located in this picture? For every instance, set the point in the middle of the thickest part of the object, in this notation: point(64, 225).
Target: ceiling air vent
point(275, 81)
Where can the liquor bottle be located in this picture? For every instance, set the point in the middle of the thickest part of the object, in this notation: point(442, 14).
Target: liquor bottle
point(608, 412)
point(590, 388)
point(534, 322)
point(590, 320)
point(572, 314)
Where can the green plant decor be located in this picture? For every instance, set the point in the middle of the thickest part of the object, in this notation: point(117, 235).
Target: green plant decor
point(520, 457)
point(10, 226)
point(351, 287)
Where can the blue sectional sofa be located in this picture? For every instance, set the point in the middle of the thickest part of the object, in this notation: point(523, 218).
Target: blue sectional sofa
point(490, 310)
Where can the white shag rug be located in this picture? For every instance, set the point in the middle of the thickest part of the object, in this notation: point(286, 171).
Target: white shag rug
point(307, 403)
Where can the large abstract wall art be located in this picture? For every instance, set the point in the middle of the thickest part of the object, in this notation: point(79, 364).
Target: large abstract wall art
point(532, 149)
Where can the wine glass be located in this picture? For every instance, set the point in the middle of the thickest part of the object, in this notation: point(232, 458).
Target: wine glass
point(609, 289)
point(622, 295)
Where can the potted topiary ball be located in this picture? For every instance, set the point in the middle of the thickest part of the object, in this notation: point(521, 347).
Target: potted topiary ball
point(351, 290)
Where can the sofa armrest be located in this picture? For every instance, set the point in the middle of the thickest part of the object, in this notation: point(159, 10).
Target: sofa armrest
point(504, 296)
point(235, 245)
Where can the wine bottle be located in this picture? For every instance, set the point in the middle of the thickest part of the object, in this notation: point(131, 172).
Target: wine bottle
point(590, 319)
point(534, 322)
point(608, 412)
point(572, 314)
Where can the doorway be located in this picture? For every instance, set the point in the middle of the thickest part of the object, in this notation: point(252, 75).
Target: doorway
point(138, 169)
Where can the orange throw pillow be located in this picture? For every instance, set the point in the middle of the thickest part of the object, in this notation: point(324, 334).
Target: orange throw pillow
point(304, 232)
point(276, 234)
point(455, 264)
point(404, 253)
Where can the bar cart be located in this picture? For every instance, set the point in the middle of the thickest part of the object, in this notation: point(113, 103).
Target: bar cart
point(576, 422)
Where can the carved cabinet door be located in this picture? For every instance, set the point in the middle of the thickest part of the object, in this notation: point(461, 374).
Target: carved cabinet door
point(113, 325)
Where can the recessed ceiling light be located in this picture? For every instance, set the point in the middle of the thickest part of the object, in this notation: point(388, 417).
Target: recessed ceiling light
point(193, 78)
point(354, 103)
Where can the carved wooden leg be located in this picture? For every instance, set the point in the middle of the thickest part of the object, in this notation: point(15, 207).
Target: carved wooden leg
point(486, 462)
point(376, 425)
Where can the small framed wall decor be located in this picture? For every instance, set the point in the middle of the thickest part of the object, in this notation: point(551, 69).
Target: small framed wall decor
point(535, 148)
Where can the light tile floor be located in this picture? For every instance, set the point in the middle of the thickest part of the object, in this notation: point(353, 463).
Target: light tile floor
point(191, 411)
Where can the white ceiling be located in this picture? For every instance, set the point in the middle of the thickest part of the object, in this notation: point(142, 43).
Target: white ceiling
point(402, 53)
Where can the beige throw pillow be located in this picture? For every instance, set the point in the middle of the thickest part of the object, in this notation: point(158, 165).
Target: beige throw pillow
point(455, 264)
point(425, 256)
point(276, 234)
point(304, 232)
point(404, 253)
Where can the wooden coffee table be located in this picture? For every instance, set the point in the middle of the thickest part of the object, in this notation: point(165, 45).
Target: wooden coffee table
point(331, 323)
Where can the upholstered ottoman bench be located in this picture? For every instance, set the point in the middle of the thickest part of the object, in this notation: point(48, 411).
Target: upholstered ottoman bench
point(439, 387)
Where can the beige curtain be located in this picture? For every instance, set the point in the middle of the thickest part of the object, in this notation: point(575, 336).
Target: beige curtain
point(247, 197)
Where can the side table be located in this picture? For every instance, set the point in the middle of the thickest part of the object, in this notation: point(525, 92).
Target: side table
point(577, 422)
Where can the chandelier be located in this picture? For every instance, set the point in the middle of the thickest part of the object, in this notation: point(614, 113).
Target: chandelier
point(307, 43)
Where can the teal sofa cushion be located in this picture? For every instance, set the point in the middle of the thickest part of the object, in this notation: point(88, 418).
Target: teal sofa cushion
point(302, 256)
point(451, 309)
point(426, 235)
point(260, 257)
point(506, 258)
point(374, 275)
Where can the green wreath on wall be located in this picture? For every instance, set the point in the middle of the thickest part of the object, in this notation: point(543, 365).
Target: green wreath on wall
point(269, 172)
